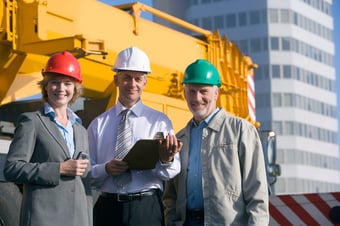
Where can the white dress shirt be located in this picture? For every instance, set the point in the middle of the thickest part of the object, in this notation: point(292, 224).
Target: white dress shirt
point(145, 122)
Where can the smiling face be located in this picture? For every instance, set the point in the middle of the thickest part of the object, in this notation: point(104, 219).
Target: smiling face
point(131, 85)
point(60, 90)
point(201, 100)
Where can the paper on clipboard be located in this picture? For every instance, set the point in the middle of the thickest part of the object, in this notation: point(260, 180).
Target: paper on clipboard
point(144, 154)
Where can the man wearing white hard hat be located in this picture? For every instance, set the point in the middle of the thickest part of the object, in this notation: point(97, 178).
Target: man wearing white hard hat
point(130, 196)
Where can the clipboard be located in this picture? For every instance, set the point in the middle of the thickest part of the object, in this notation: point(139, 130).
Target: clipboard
point(144, 154)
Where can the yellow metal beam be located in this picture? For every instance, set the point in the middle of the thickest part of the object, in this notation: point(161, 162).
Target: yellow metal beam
point(136, 8)
point(9, 66)
point(77, 44)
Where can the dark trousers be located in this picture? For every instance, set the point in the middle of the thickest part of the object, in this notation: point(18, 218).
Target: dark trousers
point(146, 211)
point(193, 222)
point(194, 218)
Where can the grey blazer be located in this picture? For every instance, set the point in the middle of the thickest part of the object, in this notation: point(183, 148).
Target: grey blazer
point(34, 157)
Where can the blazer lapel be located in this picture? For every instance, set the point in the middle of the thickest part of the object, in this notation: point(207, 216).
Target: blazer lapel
point(53, 130)
point(78, 139)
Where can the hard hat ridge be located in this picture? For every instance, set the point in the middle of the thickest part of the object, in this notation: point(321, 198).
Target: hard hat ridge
point(132, 59)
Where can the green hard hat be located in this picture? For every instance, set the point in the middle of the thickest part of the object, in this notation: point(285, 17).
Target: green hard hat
point(201, 72)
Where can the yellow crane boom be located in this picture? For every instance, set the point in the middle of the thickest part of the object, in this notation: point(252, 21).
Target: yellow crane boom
point(95, 32)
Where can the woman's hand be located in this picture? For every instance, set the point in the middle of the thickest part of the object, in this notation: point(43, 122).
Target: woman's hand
point(72, 167)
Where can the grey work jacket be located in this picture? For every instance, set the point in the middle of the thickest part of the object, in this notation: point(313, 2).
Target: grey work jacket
point(233, 175)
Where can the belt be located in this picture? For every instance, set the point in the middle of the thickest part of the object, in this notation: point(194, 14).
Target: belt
point(130, 196)
point(197, 214)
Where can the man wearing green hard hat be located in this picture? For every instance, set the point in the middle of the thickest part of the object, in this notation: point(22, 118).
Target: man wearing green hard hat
point(223, 177)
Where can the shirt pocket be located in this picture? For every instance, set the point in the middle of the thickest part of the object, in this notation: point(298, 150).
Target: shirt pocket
point(226, 169)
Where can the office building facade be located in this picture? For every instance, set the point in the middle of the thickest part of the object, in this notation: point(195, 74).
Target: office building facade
point(291, 41)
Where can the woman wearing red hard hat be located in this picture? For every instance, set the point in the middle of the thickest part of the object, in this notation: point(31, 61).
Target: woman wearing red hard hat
point(43, 155)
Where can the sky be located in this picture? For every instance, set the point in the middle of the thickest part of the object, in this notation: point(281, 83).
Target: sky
point(118, 2)
point(336, 14)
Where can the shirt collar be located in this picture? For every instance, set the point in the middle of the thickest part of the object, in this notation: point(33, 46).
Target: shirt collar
point(207, 119)
point(48, 110)
point(135, 109)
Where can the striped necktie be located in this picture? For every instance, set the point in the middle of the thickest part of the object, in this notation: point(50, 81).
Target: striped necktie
point(123, 144)
point(124, 135)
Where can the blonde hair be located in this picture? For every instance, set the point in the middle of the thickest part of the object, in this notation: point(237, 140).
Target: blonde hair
point(78, 90)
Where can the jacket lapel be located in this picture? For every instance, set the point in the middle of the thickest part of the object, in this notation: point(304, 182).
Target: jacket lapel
point(53, 130)
point(78, 139)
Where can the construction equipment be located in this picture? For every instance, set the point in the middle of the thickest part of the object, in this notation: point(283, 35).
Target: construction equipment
point(94, 32)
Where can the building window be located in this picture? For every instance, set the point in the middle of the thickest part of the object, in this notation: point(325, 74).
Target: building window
point(298, 74)
point(288, 100)
point(206, 23)
point(276, 71)
point(196, 22)
point(265, 44)
point(219, 22)
point(296, 19)
point(320, 5)
point(286, 44)
point(285, 16)
point(289, 128)
point(262, 72)
point(244, 46)
point(193, 2)
point(254, 17)
point(277, 100)
point(258, 73)
point(311, 132)
point(311, 25)
point(273, 16)
point(274, 43)
point(277, 127)
point(242, 19)
point(266, 71)
point(287, 71)
point(255, 45)
point(231, 20)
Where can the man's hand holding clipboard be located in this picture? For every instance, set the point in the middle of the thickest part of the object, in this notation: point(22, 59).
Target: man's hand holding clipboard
point(147, 152)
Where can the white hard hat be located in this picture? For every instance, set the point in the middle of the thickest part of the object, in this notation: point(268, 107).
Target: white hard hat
point(132, 59)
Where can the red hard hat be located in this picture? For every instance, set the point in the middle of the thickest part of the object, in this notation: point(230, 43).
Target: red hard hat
point(64, 63)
